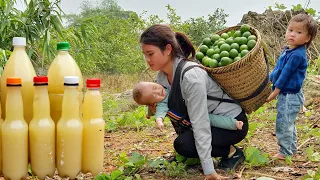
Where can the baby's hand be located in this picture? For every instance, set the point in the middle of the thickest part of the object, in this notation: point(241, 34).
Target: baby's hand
point(160, 124)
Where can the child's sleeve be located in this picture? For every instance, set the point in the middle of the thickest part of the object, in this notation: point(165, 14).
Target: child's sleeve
point(223, 122)
point(162, 107)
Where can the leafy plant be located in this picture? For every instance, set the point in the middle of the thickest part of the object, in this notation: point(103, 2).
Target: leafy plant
point(255, 158)
point(311, 155)
point(312, 175)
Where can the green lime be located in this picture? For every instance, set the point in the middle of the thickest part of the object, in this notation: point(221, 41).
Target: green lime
point(251, 44)
point(225, 61)
point(242, 40)
point(216, 57)
point(205, 61)
point(216, 50)
point(242, 47)
point(233, 53)
point(210, 52)
point(207, 42)
point(244, 28)
point(220, 43)
point(213, 63)
point(199, 56)
point(237, 40)
point(235, 46)
point(244, 52)
point(224, 54)
point(236, 59)
point(237, 34)
point(219, 64)
point(246, 34)
point(252, 37)
point(215, 38)
point(204, 49)
point(229, 40)
point(225, 47)
point(224, 35)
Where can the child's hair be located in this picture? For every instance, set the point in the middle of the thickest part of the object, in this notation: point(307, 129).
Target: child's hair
point(137, 93)
point(309, 22)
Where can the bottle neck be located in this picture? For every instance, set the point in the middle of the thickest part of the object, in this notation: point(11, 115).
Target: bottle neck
point(62, 52)
point(70, 103)
point(14, 103)
point(41, 103)
point(21, 48)
point(92, 106)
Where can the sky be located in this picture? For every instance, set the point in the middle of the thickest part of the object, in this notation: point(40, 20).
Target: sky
point(195, 8)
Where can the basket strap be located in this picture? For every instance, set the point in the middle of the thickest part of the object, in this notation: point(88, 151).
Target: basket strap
point(208, 97)
point(262, 86)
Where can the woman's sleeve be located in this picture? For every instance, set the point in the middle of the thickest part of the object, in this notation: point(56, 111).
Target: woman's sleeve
point(194, 91)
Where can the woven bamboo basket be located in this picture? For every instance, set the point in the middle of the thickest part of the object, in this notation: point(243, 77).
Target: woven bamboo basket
point(246, 80)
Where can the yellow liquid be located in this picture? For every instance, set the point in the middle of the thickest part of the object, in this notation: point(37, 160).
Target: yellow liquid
point(69, 136)
point(93, 133)
point(62, 65)
point(14, 137)
point(42, 135)
point(19, 65)
point(1, 121)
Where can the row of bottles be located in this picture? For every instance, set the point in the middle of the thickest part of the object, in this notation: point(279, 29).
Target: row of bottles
point(69, 142)
point(19, 65)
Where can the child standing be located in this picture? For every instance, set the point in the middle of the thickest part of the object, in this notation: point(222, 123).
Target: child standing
point(287, 78)
point(149, 93)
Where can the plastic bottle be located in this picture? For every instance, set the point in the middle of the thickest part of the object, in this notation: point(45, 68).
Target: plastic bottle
point(69, 131)
point(42, 132)
point(93, 129)
point(14, 134)
point(19, 65)
point(63, 65)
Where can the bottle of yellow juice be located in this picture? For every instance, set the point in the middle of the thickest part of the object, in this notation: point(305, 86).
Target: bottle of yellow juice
point(14, 134)
point(63, 65)
point(1, 121)
point(69, 131)
point(93, 129)
point(19, 65)
point(42, 132)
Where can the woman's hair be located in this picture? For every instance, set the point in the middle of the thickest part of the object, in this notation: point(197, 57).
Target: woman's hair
point(161, 35)
point(309, 22)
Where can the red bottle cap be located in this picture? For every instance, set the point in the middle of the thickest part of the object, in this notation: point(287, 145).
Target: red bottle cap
point(40, 79)
point(93, 83)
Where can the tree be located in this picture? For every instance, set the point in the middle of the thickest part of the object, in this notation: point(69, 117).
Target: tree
point(199, 28)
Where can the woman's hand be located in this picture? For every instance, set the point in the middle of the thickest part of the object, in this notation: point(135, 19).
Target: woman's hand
point(215, 176)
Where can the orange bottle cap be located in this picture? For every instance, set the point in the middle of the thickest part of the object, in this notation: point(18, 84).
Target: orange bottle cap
point(13, 81)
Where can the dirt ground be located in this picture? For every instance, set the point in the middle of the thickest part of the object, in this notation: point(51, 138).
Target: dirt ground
point(159, 144)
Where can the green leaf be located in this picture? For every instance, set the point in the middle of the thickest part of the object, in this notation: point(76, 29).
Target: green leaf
point(123, 157)
point(115, 174)
point(255, 158)
point(180, 158)
point(102, 177)
point(137, 159)
point(192, 161)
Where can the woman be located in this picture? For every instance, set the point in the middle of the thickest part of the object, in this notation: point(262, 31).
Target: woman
point(166, 51)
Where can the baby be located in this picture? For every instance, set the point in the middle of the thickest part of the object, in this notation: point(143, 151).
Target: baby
point(154, 94)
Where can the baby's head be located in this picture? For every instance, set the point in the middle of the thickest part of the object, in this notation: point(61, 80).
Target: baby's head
point(148, 93)
point(302, 29)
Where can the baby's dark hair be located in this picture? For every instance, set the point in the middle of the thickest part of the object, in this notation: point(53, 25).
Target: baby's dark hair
point(310, 23)
point(137, 93)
